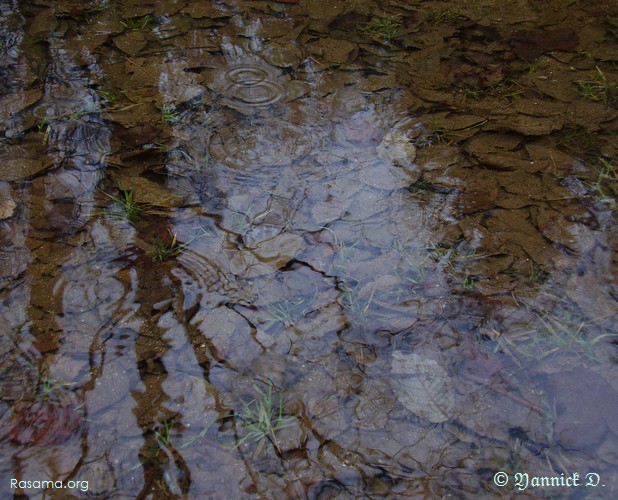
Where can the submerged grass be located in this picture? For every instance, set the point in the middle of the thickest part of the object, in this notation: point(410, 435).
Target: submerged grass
point(48, 389)
point(534, 66)
point(355, 305)
point(262, 417)
point(502, 88)
point(157, 146)
point(564, 331)
point(44, 128)
point(163, 250)
point(416, 260)
point(164, 433)
point(169, 114)
point(598, 88)
point(536, 274)
point(97, 6)
point(285, 313)
point(578, 140)
point(106, 94)
point(606, 175)
point(439, 132)
point(381, 28)
point(138, 23)
point(124, 207)
point(444, 17)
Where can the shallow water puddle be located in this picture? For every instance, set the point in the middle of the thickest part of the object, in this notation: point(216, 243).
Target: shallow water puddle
point(308, 249)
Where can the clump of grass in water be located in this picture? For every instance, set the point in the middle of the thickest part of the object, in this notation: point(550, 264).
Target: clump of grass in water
point(138, 23)
point(415, 259)
point(598, 88)
point(48, 389)
point(383, 28)
point(503, 88)
point(162, 148)
point(129, 208)
point(468, 282)
point(283, 312)
point(534, 66)
point(164, 433)
point(107, 95)
point(169, 114)
point(565, 331)
point(262, 417)
point(578, 140)
point(356, 306)
point(444, 16)
point(439, 132)
point(607, 174)
point(44, 128)
point(536, 275)
point(163, 250)
point(286, 312)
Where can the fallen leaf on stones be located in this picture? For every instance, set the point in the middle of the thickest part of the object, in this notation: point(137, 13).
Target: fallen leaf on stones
point(7, 208)
point(422, 386)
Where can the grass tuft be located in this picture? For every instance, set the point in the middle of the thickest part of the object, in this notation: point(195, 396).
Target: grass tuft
point(598, 88)
point(169, 113)
point(163, 250)
point(107, 95)
point(381, 28)
point(502, 88)
point(439, 132)
point(444, 17)
point(563, 331)
point(262, 417)
point(138, 23)
point(125, 207)
point(605, 183)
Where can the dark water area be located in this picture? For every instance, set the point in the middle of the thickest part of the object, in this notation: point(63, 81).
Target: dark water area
point(308, 249)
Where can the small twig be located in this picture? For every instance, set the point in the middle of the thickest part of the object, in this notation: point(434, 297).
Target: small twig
point(504, 392)
point(139, 67)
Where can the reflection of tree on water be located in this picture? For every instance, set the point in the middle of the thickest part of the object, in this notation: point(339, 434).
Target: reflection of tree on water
point(54, 203)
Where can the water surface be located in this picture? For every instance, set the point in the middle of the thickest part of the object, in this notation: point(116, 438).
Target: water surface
point(308, 249)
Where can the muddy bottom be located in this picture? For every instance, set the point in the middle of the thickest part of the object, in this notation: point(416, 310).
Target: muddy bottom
point(308, 249)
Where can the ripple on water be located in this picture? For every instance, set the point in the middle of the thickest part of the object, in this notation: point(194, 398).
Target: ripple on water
point(205, 279)
point(249, 85)
point(262, 93)
point(251, 146)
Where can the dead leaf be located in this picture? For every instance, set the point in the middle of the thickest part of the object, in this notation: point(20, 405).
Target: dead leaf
point(7, 208)
point(422, 386)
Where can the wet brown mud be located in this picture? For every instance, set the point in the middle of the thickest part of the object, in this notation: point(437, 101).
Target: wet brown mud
point(308, 249)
